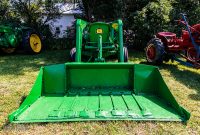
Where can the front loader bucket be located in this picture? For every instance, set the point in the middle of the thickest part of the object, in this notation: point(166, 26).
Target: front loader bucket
point(99, 91)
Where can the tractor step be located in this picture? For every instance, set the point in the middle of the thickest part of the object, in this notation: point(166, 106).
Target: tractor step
point(99, 91)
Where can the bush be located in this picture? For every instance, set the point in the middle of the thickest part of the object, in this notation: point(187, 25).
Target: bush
point(52, 41)
point(154, 17)
point(56, 44)
point(148, 18)
point(144, 18)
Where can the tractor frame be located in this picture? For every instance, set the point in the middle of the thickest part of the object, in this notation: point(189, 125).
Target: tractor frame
point(99, 40)
point(166, 45)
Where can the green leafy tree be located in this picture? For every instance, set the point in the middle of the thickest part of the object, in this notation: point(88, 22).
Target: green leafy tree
point(87, 7)
point(4, 7)
point(153, 18)
point(190, 7)
point(144, 17)
point(101, 9)
point(35, 13)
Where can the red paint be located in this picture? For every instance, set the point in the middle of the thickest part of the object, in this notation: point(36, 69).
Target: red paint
point(174, 44)
point(151, 52)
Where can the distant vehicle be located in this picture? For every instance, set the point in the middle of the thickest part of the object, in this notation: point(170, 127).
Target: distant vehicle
point(13, 37)
point(166, 46)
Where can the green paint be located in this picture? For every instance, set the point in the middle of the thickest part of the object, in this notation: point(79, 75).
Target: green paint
point(100, 51)
point(11, 36)
point(99, 40)
point(99, 91)
point(121, 40)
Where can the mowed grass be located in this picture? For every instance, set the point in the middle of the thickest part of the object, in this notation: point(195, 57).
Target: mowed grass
point(19, 71)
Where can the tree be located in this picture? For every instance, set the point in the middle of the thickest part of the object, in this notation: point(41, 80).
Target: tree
point(152, 18)
point(190, 7)
point(35, 13)
point(4, 8)
point(144, 17)
point(101, 9)
point(87, 7)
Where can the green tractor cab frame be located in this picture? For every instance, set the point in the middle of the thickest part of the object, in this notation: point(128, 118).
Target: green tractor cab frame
point(99, 40)
point(80, 91)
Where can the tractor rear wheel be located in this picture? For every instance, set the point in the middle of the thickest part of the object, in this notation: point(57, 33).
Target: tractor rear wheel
point(125, 51)
point(73, 54)
point(31, 42)
point(125, 54)
point(155, 51)
point(191, 54)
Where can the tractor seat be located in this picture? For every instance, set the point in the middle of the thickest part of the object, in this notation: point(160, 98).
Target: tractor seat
point(95, 30)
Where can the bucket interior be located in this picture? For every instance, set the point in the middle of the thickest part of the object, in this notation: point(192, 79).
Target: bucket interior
point(79, 92)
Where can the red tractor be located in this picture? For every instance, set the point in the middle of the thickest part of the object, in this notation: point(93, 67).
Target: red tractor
point(166, 45)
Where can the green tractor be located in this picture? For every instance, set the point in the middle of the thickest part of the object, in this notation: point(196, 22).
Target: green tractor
point(14, 37)
point(99, 40)
point(79, 91)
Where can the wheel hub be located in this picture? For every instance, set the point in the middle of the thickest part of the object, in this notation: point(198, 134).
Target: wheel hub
point(35, 43)
point(151, 52)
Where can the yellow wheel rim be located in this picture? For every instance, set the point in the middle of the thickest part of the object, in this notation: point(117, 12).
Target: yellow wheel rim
point(35, 43)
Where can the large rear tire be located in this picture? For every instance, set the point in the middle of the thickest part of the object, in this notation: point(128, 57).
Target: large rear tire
point(125, 54)
point(125, 51)
point(155, 51)
point(191, 54)
point(31, 42)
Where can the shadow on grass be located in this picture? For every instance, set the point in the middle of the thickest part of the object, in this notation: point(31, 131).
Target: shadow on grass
point(8, 125)
point(17, 64)
point(189, 78)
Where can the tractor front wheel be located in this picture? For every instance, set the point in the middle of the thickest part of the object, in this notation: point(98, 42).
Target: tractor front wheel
point(31, 42)
point(125, 51)
point(125, 54)
point(155, 51)
point(73, 54)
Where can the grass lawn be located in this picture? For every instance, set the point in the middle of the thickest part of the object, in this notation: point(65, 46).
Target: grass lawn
point(18, 73)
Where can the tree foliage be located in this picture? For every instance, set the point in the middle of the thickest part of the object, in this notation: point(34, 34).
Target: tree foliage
point(190, 7)
point(152, 18)
point(5, 12)
point(145, 17)
point(4, 7)
point(35, 13)
point(101, 9)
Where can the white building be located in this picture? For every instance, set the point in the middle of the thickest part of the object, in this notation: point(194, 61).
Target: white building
point(59, 26)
